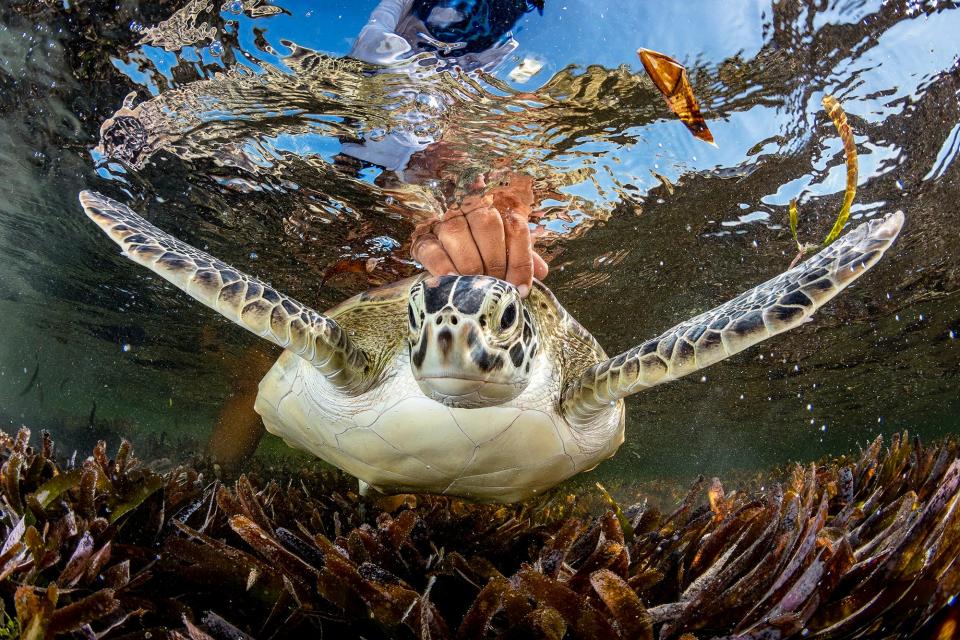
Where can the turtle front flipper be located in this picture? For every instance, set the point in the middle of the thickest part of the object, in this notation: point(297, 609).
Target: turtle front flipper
point(251, 303)
point(773, 307)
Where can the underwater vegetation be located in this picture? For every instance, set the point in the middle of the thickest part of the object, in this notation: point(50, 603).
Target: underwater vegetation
point(107, 548)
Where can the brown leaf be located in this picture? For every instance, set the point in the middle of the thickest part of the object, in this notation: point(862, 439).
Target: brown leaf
point(341, 579)
point(251, 504)
point(627, 610)
point(670, 78)
point(272, 551)
point(477, 620)
point(83, 611)
point(78, 562)
point(545, 622)
point(586, 621)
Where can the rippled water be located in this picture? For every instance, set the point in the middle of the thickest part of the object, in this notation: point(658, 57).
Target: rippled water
point(231, 126)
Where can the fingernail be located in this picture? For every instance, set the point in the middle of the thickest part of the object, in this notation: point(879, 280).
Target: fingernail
point(524, 290)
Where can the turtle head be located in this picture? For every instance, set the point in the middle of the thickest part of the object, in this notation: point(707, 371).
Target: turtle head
point(472, 342)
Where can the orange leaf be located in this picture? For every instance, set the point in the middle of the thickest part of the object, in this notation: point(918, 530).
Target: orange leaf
point(670, 77)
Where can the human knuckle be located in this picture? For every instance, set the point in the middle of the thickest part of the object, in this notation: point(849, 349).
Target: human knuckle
point(472, 268)
point(454, 225)
point(424, 243)
point(515, 223)
point(484, 213)
point(497, 265)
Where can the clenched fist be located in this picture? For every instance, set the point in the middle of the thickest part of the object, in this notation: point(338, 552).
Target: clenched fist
point(485, 234)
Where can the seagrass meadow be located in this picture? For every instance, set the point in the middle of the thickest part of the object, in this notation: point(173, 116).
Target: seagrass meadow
point(106, 547)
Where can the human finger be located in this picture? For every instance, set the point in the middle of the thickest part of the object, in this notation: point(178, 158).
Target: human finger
point(519, 252)
point(428, 251)
point(486, 227)
point(454, 234)
point(540, 267)
point(475, 201)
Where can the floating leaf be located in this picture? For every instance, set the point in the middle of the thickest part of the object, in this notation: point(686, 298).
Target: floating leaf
point(670, 78)
point(850, 151)
point(839, 118)
point(793, 222)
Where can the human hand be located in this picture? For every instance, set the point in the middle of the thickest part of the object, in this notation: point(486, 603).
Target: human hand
point(477, 237)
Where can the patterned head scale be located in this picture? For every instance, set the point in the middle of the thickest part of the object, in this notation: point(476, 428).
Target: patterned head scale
point(472, 342)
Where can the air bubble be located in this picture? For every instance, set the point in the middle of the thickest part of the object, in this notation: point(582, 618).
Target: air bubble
point(216, 49)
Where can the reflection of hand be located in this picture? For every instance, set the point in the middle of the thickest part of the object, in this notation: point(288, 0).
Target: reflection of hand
point(478, 238)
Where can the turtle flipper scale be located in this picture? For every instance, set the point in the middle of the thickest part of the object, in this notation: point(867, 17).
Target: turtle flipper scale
point(247, 301)
point(773, 307)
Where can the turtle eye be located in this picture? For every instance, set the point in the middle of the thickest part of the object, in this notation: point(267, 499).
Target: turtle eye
point(509, 316)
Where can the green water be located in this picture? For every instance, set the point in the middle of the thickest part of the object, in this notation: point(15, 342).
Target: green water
point(248, 164)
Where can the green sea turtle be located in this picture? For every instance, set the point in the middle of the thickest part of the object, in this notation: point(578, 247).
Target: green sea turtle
point(457, 385)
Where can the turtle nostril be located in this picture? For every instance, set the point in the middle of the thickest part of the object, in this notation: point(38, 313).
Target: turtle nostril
point(439, 319)
point(453, 320)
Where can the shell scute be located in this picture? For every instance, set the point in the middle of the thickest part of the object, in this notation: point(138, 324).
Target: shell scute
point(403, 426)
point(529, 438)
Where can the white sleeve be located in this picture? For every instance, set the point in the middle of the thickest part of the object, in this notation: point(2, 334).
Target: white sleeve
point(378, 42)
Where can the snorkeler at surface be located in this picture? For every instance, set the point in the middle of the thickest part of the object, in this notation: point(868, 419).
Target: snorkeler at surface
point(487, 232)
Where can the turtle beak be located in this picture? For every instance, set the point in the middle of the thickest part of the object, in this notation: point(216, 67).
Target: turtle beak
point(453, 365)
point(452, 347)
